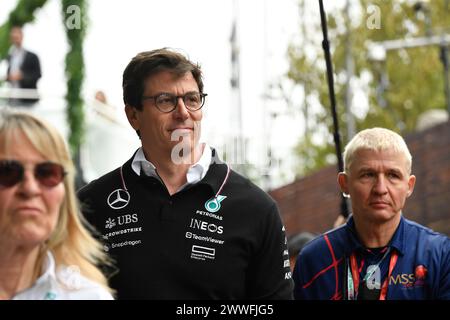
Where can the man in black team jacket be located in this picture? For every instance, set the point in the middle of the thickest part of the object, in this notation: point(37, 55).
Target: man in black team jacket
point(180, 223)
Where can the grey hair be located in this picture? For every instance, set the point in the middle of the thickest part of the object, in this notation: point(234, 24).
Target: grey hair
point(376, 139)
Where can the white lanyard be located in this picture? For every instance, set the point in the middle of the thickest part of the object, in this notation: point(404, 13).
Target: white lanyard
point(353, 274)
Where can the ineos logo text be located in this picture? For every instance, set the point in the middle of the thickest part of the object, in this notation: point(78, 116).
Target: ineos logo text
point(118, 199)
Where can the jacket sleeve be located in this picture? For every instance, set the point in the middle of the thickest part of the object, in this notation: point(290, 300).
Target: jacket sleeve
point(269, 273)
point(444, 283)
point(31, 70)
point(299, 293)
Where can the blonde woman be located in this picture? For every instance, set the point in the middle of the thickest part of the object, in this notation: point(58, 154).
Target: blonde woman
point(46, 252)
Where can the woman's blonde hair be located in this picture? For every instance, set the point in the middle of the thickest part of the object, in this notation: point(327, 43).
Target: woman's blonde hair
point(70, 242)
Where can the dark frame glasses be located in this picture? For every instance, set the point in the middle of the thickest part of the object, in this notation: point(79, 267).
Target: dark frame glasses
point(48, 174)
point(167, 102)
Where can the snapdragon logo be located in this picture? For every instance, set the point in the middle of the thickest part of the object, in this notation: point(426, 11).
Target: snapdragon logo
point(213, 204)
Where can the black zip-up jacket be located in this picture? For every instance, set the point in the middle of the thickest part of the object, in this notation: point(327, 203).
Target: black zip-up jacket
point(184, 247)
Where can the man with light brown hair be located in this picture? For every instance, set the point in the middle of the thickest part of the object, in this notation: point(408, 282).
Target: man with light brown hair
point(179, 222)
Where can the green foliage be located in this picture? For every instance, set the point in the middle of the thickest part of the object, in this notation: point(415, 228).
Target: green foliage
point(415, 75)
point(75, 70)
point(25, 12)
point(22, 14)
point(315, 155)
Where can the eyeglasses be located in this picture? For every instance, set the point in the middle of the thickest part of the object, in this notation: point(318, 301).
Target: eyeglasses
point(48, 174)
point(167, 102)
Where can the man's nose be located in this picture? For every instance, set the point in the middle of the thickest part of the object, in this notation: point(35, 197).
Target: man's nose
point(380, 186)
point(180, 110)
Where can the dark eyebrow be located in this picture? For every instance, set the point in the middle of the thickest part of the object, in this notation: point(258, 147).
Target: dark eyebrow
point(172, 94)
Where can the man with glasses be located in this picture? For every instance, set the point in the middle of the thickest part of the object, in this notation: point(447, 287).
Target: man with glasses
point(178, 221)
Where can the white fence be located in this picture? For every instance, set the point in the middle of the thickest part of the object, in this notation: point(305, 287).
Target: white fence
point(109, 139)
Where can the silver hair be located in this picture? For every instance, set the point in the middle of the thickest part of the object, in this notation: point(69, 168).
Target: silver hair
point(376, 139)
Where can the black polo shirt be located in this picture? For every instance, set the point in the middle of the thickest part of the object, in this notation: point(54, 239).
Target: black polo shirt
point(184, 247)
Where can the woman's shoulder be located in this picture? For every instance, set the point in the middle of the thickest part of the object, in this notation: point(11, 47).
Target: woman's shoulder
point(74, 286)
point(59, 282)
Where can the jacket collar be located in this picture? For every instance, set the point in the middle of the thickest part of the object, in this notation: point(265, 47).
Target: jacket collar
point(217, 173)
point(214, 178)
point(355, 244)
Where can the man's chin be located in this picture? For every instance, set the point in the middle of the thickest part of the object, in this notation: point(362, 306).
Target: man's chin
point(382, 215)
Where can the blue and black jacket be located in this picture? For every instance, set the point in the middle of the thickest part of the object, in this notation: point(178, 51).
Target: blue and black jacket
point(422, 270)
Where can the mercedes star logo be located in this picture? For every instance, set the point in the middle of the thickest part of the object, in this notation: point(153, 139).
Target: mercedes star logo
point(118, 199)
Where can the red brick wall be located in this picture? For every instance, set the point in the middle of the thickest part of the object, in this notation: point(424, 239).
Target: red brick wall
point(313, 202)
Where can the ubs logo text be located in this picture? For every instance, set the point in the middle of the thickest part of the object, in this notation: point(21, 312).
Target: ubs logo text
point(127, 219)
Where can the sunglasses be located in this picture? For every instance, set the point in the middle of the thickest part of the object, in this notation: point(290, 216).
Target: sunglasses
point(48, 174)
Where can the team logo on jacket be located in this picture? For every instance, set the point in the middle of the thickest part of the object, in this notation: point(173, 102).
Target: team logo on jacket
point(411, 280)
point(420, 273)
point(110, 223)
point(213, 204)
point(118, 199)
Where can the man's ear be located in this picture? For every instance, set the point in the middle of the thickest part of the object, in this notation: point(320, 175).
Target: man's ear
point(343, 182)
point(411, 184)
point(132, 116)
